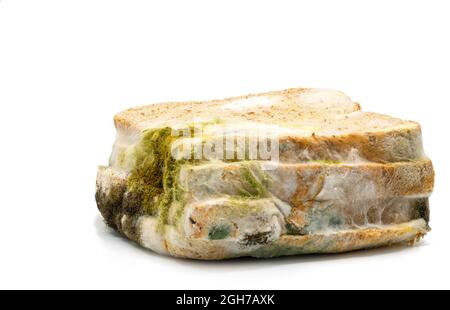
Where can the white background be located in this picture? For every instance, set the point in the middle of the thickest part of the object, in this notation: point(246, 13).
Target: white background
point(66, 67)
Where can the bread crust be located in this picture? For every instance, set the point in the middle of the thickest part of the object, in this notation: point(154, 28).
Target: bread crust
point(172, 243)
point(276, 106)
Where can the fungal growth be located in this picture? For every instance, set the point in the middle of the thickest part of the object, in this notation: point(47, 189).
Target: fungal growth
point(341, 180)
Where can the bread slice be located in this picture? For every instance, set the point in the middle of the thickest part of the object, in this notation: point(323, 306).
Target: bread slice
point(281, 107)
point(218, 203)
point(174, 243)
point(342, 179)
point(293, 182)
point(308, 198)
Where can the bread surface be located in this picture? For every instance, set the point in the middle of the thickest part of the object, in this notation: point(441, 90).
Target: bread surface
point(344, 179)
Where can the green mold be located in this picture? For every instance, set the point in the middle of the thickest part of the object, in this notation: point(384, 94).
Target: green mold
point(254, 180)
point(219, 232)
point(154, 176)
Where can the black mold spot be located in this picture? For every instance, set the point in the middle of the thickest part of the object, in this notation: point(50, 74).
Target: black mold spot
point(257, 238)
point(110, 206)
point(422, 209)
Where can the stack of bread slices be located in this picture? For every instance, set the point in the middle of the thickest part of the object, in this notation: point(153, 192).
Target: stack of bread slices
point(278, 173)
